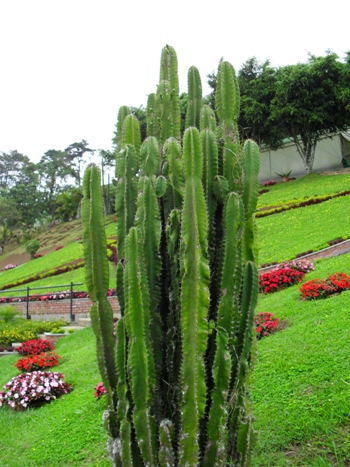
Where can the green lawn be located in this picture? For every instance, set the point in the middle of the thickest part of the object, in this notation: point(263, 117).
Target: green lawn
point(301, 382)
point(54, 259)
point(300, 390)
point(307, 186)
point(68, 432)
point(282, 236)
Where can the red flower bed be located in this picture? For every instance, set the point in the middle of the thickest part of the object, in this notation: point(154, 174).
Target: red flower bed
point(35, 347)
point(322, 288)
point(270, 183)
point(279, 279)
point(38, 255)
point(340, 280)
point(264, 324)
point(38, 362)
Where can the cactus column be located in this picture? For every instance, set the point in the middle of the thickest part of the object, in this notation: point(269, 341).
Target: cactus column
point(187, 281)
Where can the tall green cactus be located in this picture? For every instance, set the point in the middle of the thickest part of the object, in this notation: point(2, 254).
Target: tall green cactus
point(194, 98)
point(187, 284)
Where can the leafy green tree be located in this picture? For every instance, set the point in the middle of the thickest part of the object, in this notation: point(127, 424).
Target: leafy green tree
point(30, 202)
point(68, 203)
point(75, 157)
point(257, 82)
point(309, 102)
point(55, 168)
point(304, 102)
point(15, 168)
point(32, 247)
point(9, 218)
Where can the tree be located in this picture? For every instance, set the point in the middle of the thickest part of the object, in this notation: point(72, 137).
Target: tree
point(75, 156)
point(68, 204)
point(310, 102)
point(30, 202)
point(257, 82)
point(9, 218)
point(15, 168)
point(54, 169)
point(32, 247)
point(304, 102)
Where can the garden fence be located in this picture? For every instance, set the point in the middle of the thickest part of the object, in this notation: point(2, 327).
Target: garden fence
point(27, 297)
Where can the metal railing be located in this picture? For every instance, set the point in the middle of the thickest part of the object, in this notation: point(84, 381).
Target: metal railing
point(27, 289)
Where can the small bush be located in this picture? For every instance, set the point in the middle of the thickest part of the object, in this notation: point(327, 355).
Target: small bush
point(46, 326)
point(10, 334)
point(9, 313)
point(27, 389)
point(37, 362)
point(35, 347)
point(32, 247)
point(57, 331)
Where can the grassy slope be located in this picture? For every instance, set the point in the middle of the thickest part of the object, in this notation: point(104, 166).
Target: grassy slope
point(300, 385)
point(282, 236)
point(67, 432)
point(301, 382)
point(308, 186)
point(69, 253)
point(72, 251)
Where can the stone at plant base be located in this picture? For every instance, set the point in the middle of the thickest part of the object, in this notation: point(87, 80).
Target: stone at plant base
point(15, 345)
point(53, 338)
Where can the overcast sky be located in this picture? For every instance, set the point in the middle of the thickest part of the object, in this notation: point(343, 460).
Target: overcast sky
point(68, 65)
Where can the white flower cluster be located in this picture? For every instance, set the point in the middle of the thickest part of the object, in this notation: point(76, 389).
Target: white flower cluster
point(29, 387)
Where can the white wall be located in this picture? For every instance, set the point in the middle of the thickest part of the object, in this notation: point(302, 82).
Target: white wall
point(328, 156)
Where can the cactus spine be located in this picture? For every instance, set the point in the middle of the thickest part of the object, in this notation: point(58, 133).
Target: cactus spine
point(187, 281)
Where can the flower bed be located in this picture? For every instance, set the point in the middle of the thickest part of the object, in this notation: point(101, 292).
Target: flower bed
point(12, 334)
point(10, 266)
point(37, 362)
point(302, 265)
point(21, 330)
point(278, 279)
point(27, 389)
point(322, 288)
point(284, 275)
point(264, 324)
point(35, 347)
point(270, 183)
point(52, 296)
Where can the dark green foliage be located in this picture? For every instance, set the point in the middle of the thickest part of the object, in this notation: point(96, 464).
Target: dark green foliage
point(32, 247)
point(186, 282)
